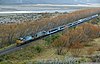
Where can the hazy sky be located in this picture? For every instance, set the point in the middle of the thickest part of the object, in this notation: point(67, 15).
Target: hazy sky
point(51, 1)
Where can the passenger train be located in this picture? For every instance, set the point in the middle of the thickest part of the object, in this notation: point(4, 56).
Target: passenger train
point(23, 40)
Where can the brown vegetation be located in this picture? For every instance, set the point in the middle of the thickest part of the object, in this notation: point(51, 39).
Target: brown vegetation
point(10, 32)
point(76, 38)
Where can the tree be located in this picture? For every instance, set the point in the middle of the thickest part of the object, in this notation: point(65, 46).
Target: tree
point(59, 44)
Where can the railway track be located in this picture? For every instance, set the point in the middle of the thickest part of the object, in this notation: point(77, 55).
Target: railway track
point(15, 48)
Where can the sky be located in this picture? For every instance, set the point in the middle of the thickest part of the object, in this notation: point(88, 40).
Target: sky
point(49, 1)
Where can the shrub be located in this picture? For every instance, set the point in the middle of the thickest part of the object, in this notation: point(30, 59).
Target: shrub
point(51, 38)
point(10, 32)
point(76, 38)
point(38, 49)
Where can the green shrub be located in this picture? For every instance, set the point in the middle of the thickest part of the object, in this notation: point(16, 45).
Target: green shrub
point(6, 62)
point(51, 38)
point(38, 49)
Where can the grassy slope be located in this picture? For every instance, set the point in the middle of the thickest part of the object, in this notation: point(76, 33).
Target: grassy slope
point(30, 54)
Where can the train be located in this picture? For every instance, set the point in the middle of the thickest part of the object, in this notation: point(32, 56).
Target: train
point(25, 39)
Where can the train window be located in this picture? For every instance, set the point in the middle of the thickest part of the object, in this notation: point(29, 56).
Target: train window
point(53, 30)
point(44, 32)
point(74, 22)
point(79, 20)
point(20, 39)
point(35, 35)
point(62, 27)
point(69, 24)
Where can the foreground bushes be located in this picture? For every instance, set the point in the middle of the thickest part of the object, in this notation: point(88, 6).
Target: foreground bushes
point(76, 38)
point(71, 39)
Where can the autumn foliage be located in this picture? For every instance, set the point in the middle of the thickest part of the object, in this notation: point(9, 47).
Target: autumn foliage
point(10, 32)
point(76, 38)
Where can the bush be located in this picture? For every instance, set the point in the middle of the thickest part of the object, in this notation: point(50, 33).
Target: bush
point(10, 32)
point(38, 49)
point(51, 38)
point(77, 37)
point(6, 62)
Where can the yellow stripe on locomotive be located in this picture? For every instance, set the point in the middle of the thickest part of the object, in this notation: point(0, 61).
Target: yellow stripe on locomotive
point(18, 42)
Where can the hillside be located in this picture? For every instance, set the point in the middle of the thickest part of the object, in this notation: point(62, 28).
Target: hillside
point(85, 48)
point(10, 32)
point(79, 43)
